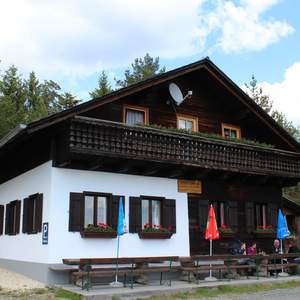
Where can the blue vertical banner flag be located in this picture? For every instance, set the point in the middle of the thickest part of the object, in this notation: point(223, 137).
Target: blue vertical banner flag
point(121, 219)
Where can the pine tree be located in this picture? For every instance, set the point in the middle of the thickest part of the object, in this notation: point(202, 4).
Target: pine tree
point(35, 105)
point(103, 88)
point(67, 100)
point(142, 68)
point(264, 101)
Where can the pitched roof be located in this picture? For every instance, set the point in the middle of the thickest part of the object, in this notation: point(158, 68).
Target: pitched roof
point(205, 63)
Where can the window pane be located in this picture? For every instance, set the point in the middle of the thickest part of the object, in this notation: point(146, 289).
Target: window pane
point(101, 210)
point(222, 214)
point(264, 216)
point(227, 132)
point(88, 210)
point(155, 212)
point(233, 133)
point(145, 212)
point(189, 125)
point(134, 117)
point(181, 124)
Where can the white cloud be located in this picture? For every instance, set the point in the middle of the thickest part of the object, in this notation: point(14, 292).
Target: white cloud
point(286, 94)
point(240, 27)
point(74, 38)
point(78, 37)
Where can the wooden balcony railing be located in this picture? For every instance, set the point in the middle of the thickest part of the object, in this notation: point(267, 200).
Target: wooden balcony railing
point(105, 138)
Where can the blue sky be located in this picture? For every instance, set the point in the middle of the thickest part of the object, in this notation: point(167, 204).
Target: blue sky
point(72, 41)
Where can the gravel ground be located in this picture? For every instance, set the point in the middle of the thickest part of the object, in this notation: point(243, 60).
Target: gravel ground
point(13, 281)
point(279, 294)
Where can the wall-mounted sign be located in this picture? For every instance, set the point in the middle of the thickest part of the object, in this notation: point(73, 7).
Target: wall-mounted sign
point(189, 186)
point(45, 233)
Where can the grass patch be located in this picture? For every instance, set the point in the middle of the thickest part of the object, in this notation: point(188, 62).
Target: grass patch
point(226, 289)
point(63, 294)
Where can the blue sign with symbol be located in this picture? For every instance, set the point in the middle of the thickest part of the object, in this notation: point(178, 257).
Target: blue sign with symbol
point(45, 233)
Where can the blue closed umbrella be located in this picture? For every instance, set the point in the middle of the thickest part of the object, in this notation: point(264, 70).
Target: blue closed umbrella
point(282, 233)
point(282, 227)
point(121, 229)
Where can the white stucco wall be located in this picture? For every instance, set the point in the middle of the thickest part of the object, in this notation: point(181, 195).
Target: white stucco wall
point(26, 247)
point(64, 244)
point(56, 185)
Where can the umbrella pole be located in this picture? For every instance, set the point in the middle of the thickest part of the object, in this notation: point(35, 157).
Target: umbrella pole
point(210, 254)
point(210, 277)
point(282, 273)
point(116, 283)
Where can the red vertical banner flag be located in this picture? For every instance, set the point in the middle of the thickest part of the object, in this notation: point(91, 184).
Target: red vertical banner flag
point(211, 232)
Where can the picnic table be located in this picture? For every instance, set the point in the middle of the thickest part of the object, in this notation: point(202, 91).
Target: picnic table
point(89, 268)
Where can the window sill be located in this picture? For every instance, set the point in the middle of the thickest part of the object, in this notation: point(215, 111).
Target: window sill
point(98, 235)
point(154, 235)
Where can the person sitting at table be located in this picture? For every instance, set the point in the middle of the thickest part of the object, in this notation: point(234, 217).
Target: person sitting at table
point(292, 248)
point(276, 250)
point(251, 250)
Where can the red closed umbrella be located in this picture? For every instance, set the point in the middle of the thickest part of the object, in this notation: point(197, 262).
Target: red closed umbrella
point(211, 233)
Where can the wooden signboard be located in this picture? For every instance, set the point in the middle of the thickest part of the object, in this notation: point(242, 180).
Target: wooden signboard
point(189, 186)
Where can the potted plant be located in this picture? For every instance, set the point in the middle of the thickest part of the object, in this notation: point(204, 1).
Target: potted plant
point(102, 230)
point(264, 231)
point(152, 231)
point(226, 231)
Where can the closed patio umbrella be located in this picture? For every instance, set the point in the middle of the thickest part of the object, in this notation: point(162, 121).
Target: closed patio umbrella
point(282, 233)
point(211, 233)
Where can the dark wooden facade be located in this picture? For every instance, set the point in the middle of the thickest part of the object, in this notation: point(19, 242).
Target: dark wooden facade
point(93, 136)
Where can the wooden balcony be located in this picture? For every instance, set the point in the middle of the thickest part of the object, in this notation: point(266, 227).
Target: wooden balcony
point(100, 138)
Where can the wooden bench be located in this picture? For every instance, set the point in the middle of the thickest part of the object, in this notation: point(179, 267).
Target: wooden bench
point(196, 267)
point(127, 267)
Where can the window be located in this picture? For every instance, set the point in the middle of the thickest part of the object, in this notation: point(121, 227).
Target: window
point(187, 122)
point(261, 215)
point(12, 220)
point(95, 209)
point(151, 212)
point(133, 115)
point(220, 212)
point(231, 131)
point(32, 214)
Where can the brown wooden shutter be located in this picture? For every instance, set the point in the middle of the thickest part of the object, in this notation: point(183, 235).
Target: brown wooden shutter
point(249, 211)
point(113, 210)
point(25, 228)
point(1, 218)
point(135, 215)
point(203, 206)
point(8, 219)
point(18, 216)
point(169, 214)
point(76, 212)
point(39, 212)
point(232, 215)
point(272, 214)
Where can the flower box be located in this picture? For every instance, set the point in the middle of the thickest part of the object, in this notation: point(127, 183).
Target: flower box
point(264, 232)
point(101, 235)
point(103, 231)
point(226, 232)
point(154, 235)
point(152, 231)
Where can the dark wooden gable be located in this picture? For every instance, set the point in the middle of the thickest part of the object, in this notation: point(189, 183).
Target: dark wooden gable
point(212, 103)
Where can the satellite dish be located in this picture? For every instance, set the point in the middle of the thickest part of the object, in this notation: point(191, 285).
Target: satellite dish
point(176, 93)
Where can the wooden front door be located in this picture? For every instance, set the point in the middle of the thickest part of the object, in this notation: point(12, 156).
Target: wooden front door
point(198, 212)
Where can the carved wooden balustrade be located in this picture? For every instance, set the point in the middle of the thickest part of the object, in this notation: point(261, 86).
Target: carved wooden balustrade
point(105, 138)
